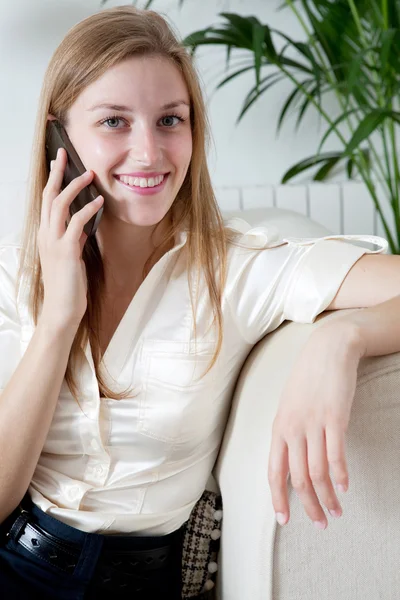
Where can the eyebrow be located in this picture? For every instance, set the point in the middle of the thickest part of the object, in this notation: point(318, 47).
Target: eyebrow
point(122, 108)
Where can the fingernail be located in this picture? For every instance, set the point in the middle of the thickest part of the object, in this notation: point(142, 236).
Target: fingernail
point(58, 152)
point(320, 524)
point(341, 487)
point(51, 165)
point(281, 518)
point(335, 513)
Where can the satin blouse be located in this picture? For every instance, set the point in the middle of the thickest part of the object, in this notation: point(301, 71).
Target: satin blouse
point(139, 465)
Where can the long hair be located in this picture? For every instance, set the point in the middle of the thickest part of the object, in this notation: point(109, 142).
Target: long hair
point(87, 51)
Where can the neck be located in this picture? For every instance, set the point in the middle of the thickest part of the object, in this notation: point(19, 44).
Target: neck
point(125, 248)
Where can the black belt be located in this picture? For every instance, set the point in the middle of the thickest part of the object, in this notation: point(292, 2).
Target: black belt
point(124, 569)
point(54, 550)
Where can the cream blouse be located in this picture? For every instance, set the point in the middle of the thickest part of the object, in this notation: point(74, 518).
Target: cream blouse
point(138, 466)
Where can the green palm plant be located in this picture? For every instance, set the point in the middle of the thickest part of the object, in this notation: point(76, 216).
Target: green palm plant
point(352, 51)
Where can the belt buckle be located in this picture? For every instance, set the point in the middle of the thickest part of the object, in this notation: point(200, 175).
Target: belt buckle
point(22, 511)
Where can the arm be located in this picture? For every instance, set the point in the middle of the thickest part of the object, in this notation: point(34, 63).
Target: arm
point(309, 430)
point(373, 283)
point(376, 329)
point(373, 279)
point(27, 406)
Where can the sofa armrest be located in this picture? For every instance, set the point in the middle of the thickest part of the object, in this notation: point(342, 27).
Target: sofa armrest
point(260, 561)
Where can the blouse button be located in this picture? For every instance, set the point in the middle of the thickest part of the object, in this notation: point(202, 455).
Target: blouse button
point(215, 534)
point(218, 515)
point(73, 492)
point(95, 444)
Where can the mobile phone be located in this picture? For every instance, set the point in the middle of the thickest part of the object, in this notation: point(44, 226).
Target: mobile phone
point(57, 137)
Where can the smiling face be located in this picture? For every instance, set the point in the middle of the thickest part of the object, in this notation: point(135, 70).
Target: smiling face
point(139, 142)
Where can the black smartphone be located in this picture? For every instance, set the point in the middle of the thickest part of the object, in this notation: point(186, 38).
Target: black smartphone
point(57, 137)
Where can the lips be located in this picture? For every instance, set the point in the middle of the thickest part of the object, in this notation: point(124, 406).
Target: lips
point(149, 176)
point(144, 191)
point(144, 174)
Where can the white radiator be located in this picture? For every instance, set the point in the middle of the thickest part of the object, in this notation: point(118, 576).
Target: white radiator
point(342, 207)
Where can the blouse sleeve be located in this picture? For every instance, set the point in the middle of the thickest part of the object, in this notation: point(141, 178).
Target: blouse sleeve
point(293, 279)
point(10, 327)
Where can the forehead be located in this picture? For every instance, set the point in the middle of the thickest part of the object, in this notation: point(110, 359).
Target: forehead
point(137, 81)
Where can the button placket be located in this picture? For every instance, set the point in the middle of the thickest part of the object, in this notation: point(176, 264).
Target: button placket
point(98, 461)
point(97, 469)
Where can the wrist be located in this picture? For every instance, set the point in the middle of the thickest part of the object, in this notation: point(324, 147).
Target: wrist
point(56, 328)
point(342, 335)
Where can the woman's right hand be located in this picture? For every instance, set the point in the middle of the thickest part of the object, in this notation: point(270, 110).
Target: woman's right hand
point(61, 246)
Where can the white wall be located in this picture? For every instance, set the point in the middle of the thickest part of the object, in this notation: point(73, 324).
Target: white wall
point(245, 159)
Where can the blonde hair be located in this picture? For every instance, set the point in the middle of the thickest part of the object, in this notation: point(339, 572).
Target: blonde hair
point(87, 51)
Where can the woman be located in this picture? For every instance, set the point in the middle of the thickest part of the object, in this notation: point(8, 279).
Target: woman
point(148, 321)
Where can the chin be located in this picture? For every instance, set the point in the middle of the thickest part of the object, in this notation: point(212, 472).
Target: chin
point(146, 220)
point(139, 215)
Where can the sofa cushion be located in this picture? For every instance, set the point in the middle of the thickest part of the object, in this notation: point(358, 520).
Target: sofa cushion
point(288, 222)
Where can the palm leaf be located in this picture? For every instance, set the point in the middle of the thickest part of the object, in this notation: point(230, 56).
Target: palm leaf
point(212, 36)
point(289, 101)
point(343, 117)
point(234, 75)
point(316, 91)
point(303, 49)
point(351, 163)
point(258, 39)
point(269, 48)
point(242, 27)
point(308, 163)
point(256, 92)
point(326, 169)
point(367, 127)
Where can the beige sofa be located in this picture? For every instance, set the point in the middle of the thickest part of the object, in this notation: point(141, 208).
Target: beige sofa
point(356, 557)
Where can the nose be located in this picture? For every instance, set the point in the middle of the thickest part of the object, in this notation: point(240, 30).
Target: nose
point(145, 145)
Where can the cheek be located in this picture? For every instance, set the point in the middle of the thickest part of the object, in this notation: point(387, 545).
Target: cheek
point(182, 152)
point(102, 151)
point(95, 152)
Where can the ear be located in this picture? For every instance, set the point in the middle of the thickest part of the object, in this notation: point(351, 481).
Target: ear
point(51, 117)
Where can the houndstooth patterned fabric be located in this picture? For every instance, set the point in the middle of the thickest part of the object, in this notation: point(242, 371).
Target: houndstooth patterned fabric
point(201, 545)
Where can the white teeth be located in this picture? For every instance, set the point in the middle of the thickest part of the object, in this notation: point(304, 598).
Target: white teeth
point(141, 181)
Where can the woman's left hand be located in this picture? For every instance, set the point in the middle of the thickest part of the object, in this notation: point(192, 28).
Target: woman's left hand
point(308, 434)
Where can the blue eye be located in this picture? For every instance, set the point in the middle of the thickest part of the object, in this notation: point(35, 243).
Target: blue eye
point(113, 118)
point(167, 121)
point(172, 117)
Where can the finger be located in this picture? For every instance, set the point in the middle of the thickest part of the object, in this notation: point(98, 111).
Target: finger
point(80, 218)
point(53, 186)
point(278, 470)
point(318, 468)
point(61, 205)
point(335, 446)
point(301, 482)
point(82, 241)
